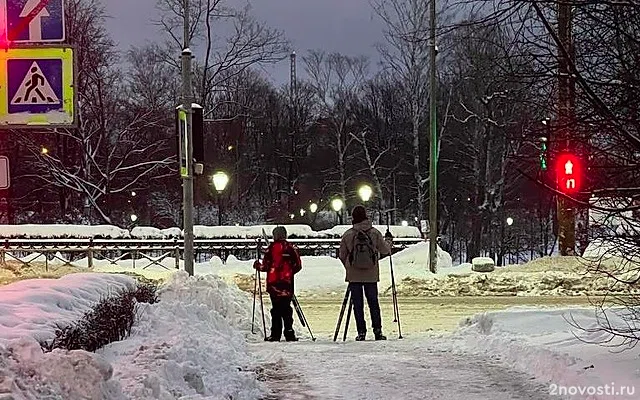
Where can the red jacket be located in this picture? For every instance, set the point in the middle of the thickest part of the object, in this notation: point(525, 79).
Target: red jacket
point(281, 262)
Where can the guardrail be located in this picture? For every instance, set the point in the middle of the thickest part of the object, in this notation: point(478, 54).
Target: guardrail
point(153, 251)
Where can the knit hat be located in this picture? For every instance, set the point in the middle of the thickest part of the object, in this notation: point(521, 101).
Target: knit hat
point(279, 233)
point(358, 214)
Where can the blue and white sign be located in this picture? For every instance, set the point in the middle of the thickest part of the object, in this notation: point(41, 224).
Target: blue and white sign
point(35, 21)
point(35, 86)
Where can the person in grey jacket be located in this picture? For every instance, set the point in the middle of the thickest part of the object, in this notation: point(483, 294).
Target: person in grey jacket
point(360, 249)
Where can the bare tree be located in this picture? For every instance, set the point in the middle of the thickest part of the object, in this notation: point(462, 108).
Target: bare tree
point(232, 39)
point(405, 54)
point(110, 153)
point(337, 81)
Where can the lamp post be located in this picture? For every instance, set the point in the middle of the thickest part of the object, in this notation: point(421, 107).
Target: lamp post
point(337, 205)
point(365, 192)
point(220, 180)
point(509, 222)
point(313, 207)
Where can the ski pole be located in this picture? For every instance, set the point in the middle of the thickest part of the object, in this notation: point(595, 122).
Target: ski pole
point(296, 306)
point(253, 310)
point(259, 280)
point(344, 306)
point(264, 324)
point(303, 319)
point(394, 293)
point(346, 324)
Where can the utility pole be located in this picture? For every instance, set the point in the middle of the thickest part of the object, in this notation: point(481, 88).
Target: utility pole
point(292, 130)
point(566, 117)
point(187, 177)
point(433, 147)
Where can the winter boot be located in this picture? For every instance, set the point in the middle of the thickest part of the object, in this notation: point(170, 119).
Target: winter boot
point(290, 335)
point(361, 337)
point(378, 334)
point(276, 327)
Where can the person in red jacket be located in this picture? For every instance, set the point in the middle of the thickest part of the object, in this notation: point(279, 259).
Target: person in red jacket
point(281, 262)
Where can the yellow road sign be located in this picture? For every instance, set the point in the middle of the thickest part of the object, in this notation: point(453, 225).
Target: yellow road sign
point(37, 87)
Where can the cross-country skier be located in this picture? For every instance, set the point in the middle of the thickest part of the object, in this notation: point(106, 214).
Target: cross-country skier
point(360, 249)
point(281, 262)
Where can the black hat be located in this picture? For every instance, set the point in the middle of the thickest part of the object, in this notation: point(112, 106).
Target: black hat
point(279, 233)
point(358, 214)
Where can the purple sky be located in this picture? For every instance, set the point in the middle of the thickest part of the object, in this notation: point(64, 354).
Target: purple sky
point(346, 26)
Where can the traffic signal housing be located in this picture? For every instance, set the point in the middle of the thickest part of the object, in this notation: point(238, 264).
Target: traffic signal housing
point(543, 154)
point(569, 173)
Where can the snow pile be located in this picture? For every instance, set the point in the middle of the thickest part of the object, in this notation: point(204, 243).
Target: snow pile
point(244, 232)
point(543, 344)
point(189, 345)
point(59, 231)
point(483, 264)
point(63, 231)
point(397, 231)
point(34, 307)
point(549, 276)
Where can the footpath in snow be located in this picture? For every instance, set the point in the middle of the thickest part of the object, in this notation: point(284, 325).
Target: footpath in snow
point(396, 369)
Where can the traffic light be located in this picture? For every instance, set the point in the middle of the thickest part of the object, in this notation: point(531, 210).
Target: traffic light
point(543, 153)
point(568, 172)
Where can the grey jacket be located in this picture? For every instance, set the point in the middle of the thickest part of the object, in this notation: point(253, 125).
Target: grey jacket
point(346, 246)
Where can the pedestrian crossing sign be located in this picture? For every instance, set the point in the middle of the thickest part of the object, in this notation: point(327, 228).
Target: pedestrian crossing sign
point(36, 87)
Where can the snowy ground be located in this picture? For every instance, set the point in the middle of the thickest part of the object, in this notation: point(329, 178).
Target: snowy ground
point(196, 344)
point(406, 369)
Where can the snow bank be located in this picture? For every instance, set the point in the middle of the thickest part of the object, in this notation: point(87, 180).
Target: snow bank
point(200, 231)
point(543, 344)
point(189, 345)
point(549, 276)
point(396, 230)
point(34, 307)
point(63, 231)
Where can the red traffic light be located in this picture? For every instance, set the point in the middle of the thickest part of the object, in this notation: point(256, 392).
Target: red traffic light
point(568, 171)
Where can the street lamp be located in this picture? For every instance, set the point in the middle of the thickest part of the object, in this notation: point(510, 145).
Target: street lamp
point(313, 207)
point(509, 221)
point(133, 217)
point(220, 180)
point(337, 205)
point(365, 192)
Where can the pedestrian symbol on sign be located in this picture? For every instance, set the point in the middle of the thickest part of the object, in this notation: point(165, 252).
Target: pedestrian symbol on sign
point(35, 89)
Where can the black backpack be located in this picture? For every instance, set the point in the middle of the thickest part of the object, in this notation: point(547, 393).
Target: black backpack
point(364, 254)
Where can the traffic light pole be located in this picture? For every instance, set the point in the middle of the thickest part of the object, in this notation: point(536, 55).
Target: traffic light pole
point(187, 178)
point(433, 147)
point(566, 99)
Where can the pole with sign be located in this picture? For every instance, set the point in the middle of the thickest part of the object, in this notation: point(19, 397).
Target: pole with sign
point(37, 86)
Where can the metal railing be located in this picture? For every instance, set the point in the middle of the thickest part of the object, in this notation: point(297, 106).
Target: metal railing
point(152, 251)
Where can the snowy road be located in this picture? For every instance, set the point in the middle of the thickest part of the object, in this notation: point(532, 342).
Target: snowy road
point(411, 368)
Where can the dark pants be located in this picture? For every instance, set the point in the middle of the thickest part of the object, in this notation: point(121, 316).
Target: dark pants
point(371, 293)
point(281, 313)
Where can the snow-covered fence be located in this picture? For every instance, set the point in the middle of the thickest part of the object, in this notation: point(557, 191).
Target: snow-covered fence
point(85, 252)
